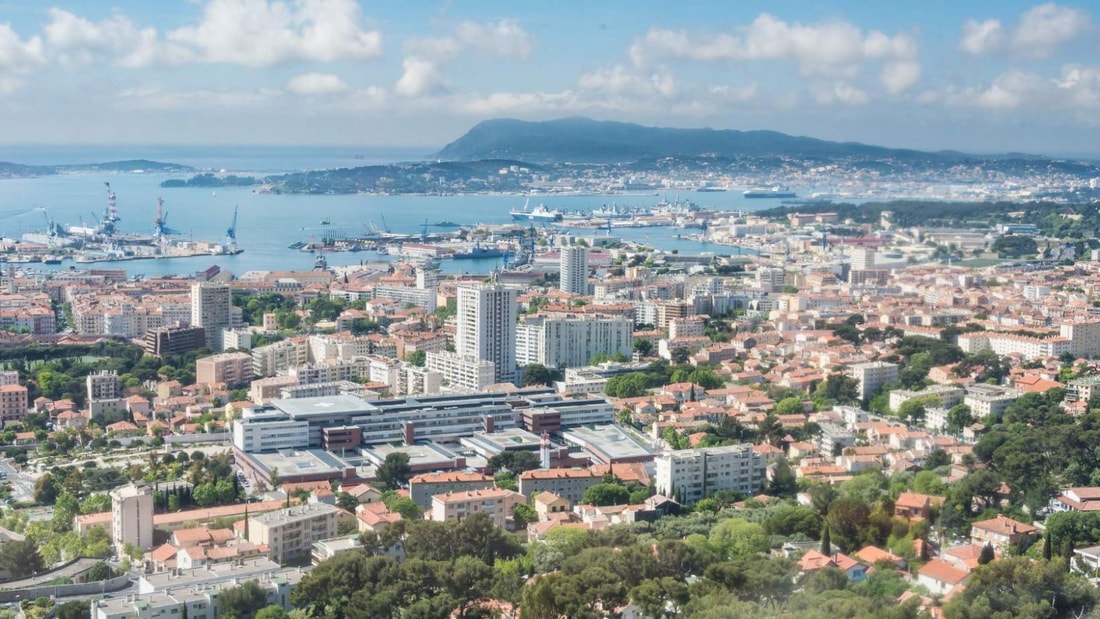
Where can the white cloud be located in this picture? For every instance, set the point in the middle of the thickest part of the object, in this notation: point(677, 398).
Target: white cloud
point(831, 48)
point(316, 84)
point(840, 92)
point(156, 99)
point(258, 33)
point(18, 55)
point(420, 77)
point(1081, 84)
point(621, 81)
point(981, 37)
point(425, 57)
point(1044, 27)
point(9, 85)
point(1010, 90)
point(897, 77)
point(505, 38)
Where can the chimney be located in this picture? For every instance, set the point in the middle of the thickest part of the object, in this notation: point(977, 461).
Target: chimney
point(544, 451)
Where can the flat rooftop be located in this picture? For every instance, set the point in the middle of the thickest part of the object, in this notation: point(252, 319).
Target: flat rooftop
point(422, 456)
point(493, 443)
point(607, 443)
point(258, 568)
point(327, 405)
point(299, 462)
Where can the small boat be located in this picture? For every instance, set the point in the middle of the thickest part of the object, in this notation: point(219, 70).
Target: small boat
point(446, 224)
point(326, 222)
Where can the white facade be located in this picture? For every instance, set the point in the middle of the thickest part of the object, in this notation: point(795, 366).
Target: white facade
point(1010, 344)
point(486, 327)
point(254, 434)
point(465, 372)
point(211, 309)
point(691, 474)
point(572, 341)
point(132, 517)
point(102, 385)
point(574, 270)
point(872, 375)
point(1084, 338)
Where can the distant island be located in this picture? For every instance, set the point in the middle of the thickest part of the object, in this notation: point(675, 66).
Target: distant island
point(18, 170)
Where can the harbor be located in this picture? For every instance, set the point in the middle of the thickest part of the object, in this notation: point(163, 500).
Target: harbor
point(100, 239)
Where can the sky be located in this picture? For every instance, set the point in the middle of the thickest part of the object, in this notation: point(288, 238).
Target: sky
point(977, 76)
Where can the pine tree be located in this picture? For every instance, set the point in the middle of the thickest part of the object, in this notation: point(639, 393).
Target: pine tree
point(1046, 546)
point(826, 542)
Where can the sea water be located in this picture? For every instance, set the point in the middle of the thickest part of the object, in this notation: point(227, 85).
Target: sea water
point(268, 223)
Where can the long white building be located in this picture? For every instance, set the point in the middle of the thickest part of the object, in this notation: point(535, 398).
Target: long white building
point(574, 270)
point(572, 341)
point(211, 305)
point(692, 474)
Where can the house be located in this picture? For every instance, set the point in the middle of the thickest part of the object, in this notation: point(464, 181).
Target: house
point(966, 556)
point(940, 577)
point(914, 506)
point(548, 503)
point(1003, 533)
point(364, 493)
point(1089, 557)
point(814, 560)
point(1077, 500)
point(870, 555)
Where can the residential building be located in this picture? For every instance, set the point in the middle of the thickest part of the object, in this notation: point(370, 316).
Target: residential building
point(941, 577)
point(872, 375)
point(574, 270)
point(13, 403)
point(497, 503)
point(692, 474)
point(462, 371)
point(1003, 533)
point(486, 327)
point(569, 484)
point(572, 341)
point(103, 385)
point(173, 340)
point(211, 309)
point(985, 400)
point(132, 516)
point(290, 533)
point(232, 368)
point(424, 486)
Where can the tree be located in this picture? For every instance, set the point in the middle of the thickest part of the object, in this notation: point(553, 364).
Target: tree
point(987, 554)
point(79, 609)
point(242, 601)
point(523, 514)
point(838, 388)
point(515, 461)
point(783, 482)
point(826, 541)
point(606, 494)
point(416, 357)
point(272, 611)
point(395, 470)
point(739, 538)
point(788, 406)
point(643, 347)
point(537, 374)
point(346, 502)
point(847, 521)
point(46, 489)
point(20, 558)
point(1020, 587)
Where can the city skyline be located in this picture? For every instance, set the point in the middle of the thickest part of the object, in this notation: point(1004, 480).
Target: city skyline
point(979, 77)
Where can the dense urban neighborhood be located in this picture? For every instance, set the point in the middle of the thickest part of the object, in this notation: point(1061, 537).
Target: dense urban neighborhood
point(865, 418)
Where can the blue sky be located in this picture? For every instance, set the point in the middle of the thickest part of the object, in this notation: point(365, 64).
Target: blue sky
point(974, 76)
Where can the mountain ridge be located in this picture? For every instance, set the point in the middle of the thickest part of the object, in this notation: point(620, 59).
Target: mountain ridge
point(584, 140)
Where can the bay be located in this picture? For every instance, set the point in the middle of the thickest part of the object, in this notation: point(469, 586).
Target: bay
point(268, 223)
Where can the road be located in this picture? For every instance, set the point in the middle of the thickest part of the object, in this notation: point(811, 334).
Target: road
point(22, 484)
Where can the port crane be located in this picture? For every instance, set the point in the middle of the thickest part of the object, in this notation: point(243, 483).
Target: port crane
point(160, 223)
point(231, 234)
